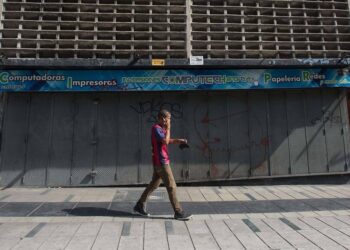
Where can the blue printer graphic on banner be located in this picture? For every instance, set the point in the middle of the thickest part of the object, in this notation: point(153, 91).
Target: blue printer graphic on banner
point(169, 79)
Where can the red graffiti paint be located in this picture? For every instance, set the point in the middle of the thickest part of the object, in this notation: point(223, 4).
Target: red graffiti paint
point(214, 171)
point(265, 141)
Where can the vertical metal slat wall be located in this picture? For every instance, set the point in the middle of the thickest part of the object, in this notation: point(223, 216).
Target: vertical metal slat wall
point(103, 138)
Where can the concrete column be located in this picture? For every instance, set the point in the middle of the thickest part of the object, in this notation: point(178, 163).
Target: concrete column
point(1, 7)
point(189, 28)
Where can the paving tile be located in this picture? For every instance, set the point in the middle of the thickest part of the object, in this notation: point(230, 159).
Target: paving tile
point(319, 192)
point(268, 195)
point(251, 241)
point(238, 226)
point(241, 196)
point(343, 202)
point(130, 242)
point(256, 215)
point(180, 242)
point(121, 209)
point(337, 236)
point(325, 213)
point(238, 216)
point(277, 225)
point(88, 229)
point(262, 207)
point(219, 216)
point(133, 195)
point(119, 195)
point(225, 195)
point(16, 230)
point(292, 205)
point(178, 227)
point(345, 231)
point(84, 237)
point(308, 214)
point(314, 222)
point(201, 235)
point(65, 230)
point(324, 204)
point(342, 189)
point(102, 218)
point(290, 214)
point(28, 244)
point(209, 194)
point(297, 240)
point(79, 218)
point(182, 195)
point(273, 215)
point(344, 219)
point(223, 235)
point(254, 196)
point(105, 242)
point(18, 208)
point(137, 228)
point(195, 194)
point(320, 240)
point(251, 225)
point(201, 217)
point(291, 192)
point(42, 230)
point(226, 207)
point(333, 222)
point(143, 219)
point(108, 237)
point(68, 198)
point(155, 236)
point(4, 198)
point(199, 207)
point(301, 189)
point(80, 242)
point(280, 194)
point(299, 225)
point(330, 191)
point(8, 243)
point(118, 219)
point(261, 225)
point(304, 192)
point(341, 212)
point(274, 241)
point(160, 208)
point(54, 209)
point(89, 209)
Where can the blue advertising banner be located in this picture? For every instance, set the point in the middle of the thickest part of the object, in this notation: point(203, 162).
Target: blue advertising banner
point(169, 79)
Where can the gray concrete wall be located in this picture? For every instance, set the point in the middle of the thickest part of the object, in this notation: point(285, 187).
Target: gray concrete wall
point(176, 29)
point(104, 138)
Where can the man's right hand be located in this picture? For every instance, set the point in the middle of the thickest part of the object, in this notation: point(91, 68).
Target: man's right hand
point(167, 125)
point(183, 141)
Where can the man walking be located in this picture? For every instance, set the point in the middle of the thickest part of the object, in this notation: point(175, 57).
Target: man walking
point(161, 166)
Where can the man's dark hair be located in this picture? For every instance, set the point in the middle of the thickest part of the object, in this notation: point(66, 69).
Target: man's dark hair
point(163, 113)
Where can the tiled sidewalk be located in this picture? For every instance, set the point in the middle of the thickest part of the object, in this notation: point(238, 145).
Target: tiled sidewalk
point(252, 217)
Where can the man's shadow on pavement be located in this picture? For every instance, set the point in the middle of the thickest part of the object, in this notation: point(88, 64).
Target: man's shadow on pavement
point(96, 211)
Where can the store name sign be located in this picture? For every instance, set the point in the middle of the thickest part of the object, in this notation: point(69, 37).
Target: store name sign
point(170, 79)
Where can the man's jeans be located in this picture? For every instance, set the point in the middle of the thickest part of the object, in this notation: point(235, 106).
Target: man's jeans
point(162, 173)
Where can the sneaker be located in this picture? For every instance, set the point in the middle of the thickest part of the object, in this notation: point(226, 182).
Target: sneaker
point(182, 216)
point(139, 209)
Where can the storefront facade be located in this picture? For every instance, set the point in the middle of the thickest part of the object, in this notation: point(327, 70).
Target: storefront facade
point(259, 88)
point(72, 128)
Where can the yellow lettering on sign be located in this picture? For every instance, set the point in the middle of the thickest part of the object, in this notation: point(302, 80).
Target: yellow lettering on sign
point(158, 62)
